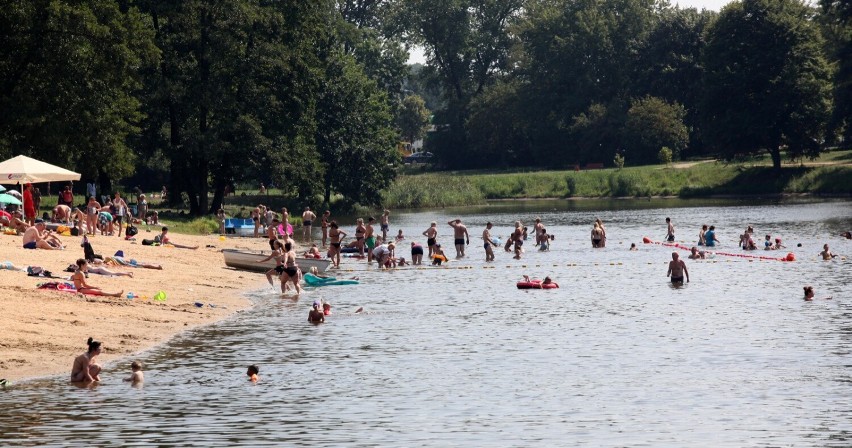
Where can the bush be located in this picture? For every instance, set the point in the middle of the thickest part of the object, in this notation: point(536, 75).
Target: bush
point(622, 184)
point(618, 161)
point(665, 155)
point(571, 183)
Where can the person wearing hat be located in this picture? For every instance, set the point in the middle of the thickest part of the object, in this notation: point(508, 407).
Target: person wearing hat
point(29, 204)
point(35, 237)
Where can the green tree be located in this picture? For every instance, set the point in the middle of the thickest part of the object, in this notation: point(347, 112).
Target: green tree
point(413, 118)
point(653, 123)
point(596, 133)
point(577, 54)
point(768, 85)
point(467, 43)
point(354, 135)
point(670, 65)
point(68, 75)
point(836, 16)
point(497, 128)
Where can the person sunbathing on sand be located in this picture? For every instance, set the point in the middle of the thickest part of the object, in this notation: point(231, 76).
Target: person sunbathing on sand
point(121, 261)
point(163, 238)
point(36, 237)
point(80, 284)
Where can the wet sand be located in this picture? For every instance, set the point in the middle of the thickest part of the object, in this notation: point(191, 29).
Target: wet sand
point(41, 331)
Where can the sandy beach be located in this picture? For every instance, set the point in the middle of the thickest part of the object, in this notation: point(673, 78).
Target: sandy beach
point(41, 331)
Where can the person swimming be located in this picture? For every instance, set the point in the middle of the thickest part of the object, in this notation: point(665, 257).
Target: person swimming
point(809, 294)
point(252, 372)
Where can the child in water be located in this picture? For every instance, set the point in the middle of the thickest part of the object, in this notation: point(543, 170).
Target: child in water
point(252, 373)
point(438, 256)
point(400, 236)
point(809, 294)
point(137, 376)
point(633, 246)
point(326, 309)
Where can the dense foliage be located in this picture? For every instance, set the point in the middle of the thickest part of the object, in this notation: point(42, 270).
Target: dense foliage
point(312, 96)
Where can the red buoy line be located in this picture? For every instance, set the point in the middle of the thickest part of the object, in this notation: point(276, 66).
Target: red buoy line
point(789, 257)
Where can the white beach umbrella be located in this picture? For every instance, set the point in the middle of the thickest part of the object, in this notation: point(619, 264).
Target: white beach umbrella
point(25, 169)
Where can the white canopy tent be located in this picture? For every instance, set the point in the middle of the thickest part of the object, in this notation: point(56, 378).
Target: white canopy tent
point(24, 169)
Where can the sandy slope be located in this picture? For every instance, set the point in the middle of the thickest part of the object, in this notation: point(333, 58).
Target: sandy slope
point(41, 331)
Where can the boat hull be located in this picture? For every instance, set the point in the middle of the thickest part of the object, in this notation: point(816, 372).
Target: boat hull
point(248, 261)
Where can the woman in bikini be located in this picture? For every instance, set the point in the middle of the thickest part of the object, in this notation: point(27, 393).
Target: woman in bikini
point(278, 255)
point(93, 209)
point(81, 286)
point(85, 369)
point(360, 230)
point(291, 270)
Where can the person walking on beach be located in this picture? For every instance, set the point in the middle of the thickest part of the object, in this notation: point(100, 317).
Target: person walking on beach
point(120, 206)
point(85, 369)
point(460, 235)
point(93, 209)
point(308, 218)
point(335, 235)
point(489, 242)
point(670, 230)
point(431, 235)
point(677, 270)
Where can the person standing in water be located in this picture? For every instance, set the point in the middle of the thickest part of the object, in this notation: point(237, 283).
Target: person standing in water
point(384, 224)
point(324, 223)
point(489, 242)
point(518, 239)
point(85, 369)
point(460, 234)
point(670, 230)
point(334, 236)
point(431, 235)
point(370, 238)
point(677, 269)
point(308, 218)
point(826, 253)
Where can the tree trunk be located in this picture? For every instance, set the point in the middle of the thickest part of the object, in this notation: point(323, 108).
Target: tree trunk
point(218, 198)
point(105, 183)
point(775, 152)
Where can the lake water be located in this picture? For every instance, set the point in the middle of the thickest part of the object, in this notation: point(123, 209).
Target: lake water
point(458, 356)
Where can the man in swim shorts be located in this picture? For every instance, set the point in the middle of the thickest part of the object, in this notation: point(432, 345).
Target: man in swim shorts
point(308, 218)
point(488, 242)
point(416, 253)
point(370, 238)
point(518, 239)
point(431, 235)
point(461, 236)
point(677, 269)
point(271, 231)
point(35, 237)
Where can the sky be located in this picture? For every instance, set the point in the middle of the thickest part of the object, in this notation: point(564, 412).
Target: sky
point(417, 57)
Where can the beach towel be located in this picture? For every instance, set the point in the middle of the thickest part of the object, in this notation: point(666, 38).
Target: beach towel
point(58, 286)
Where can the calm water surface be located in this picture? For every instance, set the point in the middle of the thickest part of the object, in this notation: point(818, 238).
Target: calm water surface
point(458, 356)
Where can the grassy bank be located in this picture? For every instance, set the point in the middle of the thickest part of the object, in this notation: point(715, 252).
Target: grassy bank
point(696, 180)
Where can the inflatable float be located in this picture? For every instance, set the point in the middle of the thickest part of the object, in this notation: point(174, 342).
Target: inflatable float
point(313, 280)
point(789, 257)
point(536, 284)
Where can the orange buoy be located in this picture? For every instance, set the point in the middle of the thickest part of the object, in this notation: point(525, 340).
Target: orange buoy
point(791, 257)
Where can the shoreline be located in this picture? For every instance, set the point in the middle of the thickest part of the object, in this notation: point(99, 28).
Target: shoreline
point(41, 331)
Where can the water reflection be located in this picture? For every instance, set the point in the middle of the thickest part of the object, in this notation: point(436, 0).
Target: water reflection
point(446, 356)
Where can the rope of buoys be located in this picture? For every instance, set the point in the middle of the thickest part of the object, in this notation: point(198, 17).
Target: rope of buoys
point(789, 257)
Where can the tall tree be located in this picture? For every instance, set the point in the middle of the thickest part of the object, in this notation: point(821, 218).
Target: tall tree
point(576, 54)
point(68, 75)
point(768, 85)
point(354, 134)
point(413, 118)
point(468, 43)
point(670, 65)
point(837, 20)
